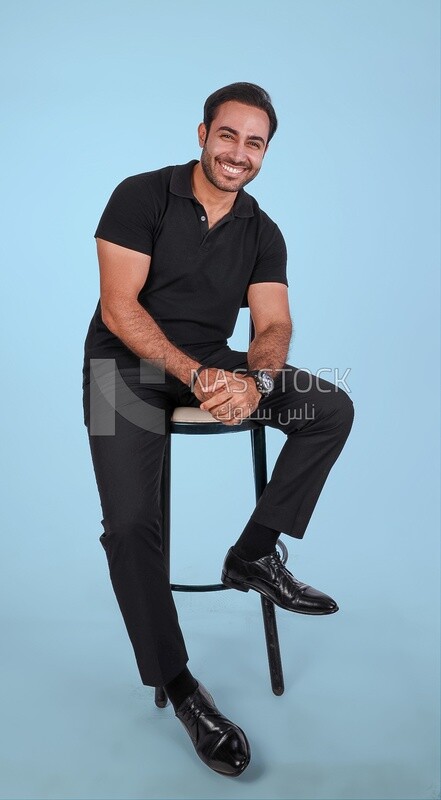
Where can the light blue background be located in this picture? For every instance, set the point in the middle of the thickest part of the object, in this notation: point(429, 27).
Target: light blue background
point(95, 91)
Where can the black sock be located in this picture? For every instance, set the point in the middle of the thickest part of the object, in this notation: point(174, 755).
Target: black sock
point(255, 541)
point(180, 687)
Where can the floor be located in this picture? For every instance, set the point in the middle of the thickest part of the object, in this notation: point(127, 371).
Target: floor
point(356, 720)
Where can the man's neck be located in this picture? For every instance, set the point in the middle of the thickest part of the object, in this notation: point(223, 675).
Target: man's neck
point(210, 197)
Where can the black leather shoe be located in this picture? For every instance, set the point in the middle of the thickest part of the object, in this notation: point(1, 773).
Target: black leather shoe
point(269, 576)
point(220, 743)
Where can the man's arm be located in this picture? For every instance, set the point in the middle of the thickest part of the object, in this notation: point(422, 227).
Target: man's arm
point(123, 273)
point(269, 308)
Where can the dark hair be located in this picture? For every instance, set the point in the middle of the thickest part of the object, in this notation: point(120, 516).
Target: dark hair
point(247, 93)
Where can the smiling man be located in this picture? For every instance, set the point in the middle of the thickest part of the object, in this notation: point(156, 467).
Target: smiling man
point(180, 250)
point(224, 166)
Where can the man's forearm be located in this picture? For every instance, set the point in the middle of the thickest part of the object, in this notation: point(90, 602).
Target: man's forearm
point(140, 333)
point(269, 349)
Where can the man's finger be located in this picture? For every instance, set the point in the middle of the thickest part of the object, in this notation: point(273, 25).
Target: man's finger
point(218, 399)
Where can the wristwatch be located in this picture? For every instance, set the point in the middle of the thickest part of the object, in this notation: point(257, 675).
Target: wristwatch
point(263, 380)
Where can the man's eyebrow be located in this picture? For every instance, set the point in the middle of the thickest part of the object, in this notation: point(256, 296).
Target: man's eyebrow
point(236, 133)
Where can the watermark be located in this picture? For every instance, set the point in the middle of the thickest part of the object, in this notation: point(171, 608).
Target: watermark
point(287, 377)
point(111, 394)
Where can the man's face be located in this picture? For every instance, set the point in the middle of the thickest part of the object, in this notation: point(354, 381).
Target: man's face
point(233, 151)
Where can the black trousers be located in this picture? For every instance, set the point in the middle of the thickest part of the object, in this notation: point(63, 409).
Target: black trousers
point(316, 417)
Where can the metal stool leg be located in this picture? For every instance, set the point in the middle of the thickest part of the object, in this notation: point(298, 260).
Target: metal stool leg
point(160, 694)
point(258, 447)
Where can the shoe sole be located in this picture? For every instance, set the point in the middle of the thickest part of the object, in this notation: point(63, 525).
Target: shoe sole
point(242, 587)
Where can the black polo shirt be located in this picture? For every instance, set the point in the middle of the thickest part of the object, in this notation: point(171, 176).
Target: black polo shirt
point(198, 278)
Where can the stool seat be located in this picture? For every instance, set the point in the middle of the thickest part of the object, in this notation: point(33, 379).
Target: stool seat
point(193, 420)
point(192, 414)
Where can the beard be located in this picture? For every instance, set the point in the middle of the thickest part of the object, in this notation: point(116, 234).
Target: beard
point(233, 184)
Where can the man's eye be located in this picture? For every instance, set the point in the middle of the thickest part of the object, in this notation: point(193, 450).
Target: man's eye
point(226, 136)
point(255, 144)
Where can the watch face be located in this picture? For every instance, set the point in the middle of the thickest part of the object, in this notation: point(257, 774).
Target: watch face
point(266, 382)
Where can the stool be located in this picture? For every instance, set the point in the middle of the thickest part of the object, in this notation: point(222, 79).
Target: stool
point(194, 421)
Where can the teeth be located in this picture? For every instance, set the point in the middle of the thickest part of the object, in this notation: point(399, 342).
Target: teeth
point(235, 170)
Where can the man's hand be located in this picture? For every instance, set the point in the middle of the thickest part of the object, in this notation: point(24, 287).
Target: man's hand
point(228, 397)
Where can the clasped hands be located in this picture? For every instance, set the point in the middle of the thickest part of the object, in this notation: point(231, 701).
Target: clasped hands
point(229, 397)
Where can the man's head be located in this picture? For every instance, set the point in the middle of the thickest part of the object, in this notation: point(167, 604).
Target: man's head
point(247, 93)
point(239, 121)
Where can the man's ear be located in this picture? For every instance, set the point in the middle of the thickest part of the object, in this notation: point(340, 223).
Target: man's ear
point(202, 134)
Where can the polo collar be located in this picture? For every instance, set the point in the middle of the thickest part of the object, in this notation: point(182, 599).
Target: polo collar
point(180, 185)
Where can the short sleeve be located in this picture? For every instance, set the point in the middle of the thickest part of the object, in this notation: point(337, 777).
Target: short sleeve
point(128, 218)
point(271, 258)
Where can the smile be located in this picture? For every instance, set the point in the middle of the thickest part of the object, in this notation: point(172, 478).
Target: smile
point(232, 170)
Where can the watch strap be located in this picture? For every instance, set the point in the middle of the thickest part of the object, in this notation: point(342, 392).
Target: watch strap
point(195, 374)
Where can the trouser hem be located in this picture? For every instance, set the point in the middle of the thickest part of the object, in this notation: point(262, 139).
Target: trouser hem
point(276, 519)
point(165, 677)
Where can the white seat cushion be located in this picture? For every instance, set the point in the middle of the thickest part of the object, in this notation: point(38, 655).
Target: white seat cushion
point(190, 414)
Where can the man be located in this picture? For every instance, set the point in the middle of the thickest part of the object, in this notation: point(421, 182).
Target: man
point(179, 251)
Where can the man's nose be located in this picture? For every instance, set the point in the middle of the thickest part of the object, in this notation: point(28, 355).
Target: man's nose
point(238, 152)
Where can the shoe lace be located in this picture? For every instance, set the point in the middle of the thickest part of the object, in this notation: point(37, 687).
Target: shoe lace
point(277, 562)
point(276, 558)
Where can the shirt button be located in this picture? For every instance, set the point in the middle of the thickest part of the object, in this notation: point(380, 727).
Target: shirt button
point(203, 218)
